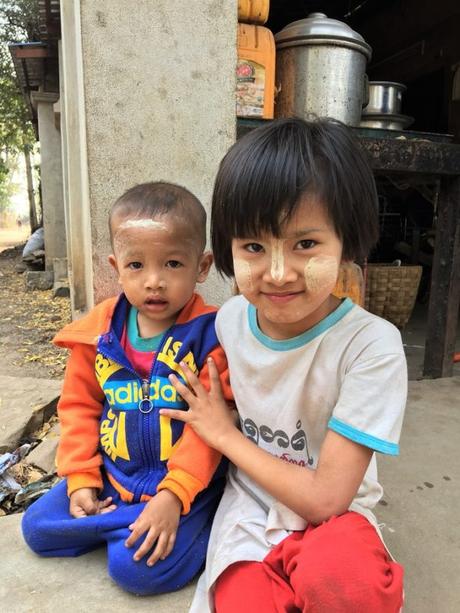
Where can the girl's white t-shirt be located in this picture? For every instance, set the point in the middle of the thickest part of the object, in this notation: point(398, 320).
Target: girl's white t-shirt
point(348, 374)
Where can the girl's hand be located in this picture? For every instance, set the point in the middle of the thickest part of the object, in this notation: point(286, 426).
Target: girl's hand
point(208, 413)
point(159, 519)
point(84, 502)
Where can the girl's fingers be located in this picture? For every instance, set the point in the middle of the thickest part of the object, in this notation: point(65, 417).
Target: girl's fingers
point(183, 390)
point(175, 414)
point(193, 380)
point(216, 387)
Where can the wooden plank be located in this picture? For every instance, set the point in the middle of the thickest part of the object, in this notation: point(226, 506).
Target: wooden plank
point(401, 155)
point(30, 52)
point(412, 156)
point(445, 284)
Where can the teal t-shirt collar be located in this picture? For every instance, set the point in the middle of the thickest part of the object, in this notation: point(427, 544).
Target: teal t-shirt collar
point(137, 342)
point(301, 339)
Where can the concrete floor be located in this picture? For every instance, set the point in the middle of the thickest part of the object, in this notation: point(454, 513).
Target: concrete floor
point(422, 497)
point(29, 584)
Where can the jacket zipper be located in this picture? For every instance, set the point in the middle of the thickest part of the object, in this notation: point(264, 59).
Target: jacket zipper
point(149, 458)
point(145, 386)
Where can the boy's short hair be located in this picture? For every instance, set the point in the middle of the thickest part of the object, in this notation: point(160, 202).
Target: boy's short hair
point(158, 198)
point(264, 175)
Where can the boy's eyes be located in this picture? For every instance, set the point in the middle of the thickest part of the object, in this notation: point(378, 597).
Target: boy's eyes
point(169, 264)
point(174, 264)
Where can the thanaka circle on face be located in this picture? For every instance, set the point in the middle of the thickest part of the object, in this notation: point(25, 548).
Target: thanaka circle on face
point(320, 273)
point(243, 275)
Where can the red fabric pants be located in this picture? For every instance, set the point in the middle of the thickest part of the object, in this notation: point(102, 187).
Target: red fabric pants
point(340, 566)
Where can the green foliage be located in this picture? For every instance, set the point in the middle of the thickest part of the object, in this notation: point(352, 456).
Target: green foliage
point(15, 126)
point(6, 187)
point(19, 19)
point(18, 23)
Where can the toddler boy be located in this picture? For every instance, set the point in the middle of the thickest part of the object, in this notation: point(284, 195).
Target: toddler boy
point(137, 481)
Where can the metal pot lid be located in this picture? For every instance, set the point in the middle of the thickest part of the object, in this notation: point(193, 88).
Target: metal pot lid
point(318, 29)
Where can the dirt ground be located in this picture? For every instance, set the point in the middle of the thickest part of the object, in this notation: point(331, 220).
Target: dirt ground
point(28, 319)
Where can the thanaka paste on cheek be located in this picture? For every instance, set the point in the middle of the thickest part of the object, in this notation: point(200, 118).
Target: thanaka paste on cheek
point(277, 263)
point(321, 273)
point(243, 275)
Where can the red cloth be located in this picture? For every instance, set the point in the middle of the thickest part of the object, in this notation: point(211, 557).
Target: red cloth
point(141, 360)
point(340, 566)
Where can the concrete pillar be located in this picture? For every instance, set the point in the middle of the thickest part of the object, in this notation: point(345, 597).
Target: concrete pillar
point(151, 94)
point(51, 177)
point(75, 162)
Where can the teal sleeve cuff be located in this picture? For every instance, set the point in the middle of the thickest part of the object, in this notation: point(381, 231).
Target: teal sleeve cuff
point(362, 438)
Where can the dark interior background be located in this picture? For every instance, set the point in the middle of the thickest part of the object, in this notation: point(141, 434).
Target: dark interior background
point(413, 42)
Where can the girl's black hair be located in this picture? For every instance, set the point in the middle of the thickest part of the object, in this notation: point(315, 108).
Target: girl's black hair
point(264, 175)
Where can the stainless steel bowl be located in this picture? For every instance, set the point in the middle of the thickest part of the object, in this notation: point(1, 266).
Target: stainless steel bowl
point(384, 97)
point(386, 121)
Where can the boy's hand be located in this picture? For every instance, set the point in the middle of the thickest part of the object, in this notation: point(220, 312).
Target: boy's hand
point(159, 519)
point(84, 502)
point(208, 414)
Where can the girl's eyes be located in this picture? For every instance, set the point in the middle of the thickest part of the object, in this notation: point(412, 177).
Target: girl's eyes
point(135, 265)
point(253, 247)
point(174, 264)
point(306, 244)
point(303, 244)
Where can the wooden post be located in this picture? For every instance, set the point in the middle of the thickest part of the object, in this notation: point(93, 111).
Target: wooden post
point(445, 284)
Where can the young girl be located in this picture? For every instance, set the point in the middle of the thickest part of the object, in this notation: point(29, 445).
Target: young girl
point(319, 383)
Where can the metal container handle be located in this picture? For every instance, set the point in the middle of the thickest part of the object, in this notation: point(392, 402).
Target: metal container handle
point(365, 90)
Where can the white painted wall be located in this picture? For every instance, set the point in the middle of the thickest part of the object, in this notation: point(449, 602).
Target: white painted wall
point(156, 101)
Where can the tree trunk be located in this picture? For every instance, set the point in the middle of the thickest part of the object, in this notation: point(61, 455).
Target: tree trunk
point(30, 190)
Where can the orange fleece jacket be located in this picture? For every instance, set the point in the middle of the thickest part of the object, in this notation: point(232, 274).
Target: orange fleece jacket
point(192, 462)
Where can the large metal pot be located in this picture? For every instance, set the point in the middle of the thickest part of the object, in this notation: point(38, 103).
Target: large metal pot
point(321, 70)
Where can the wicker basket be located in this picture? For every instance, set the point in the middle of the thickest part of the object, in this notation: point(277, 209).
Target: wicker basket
point(391, 291)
